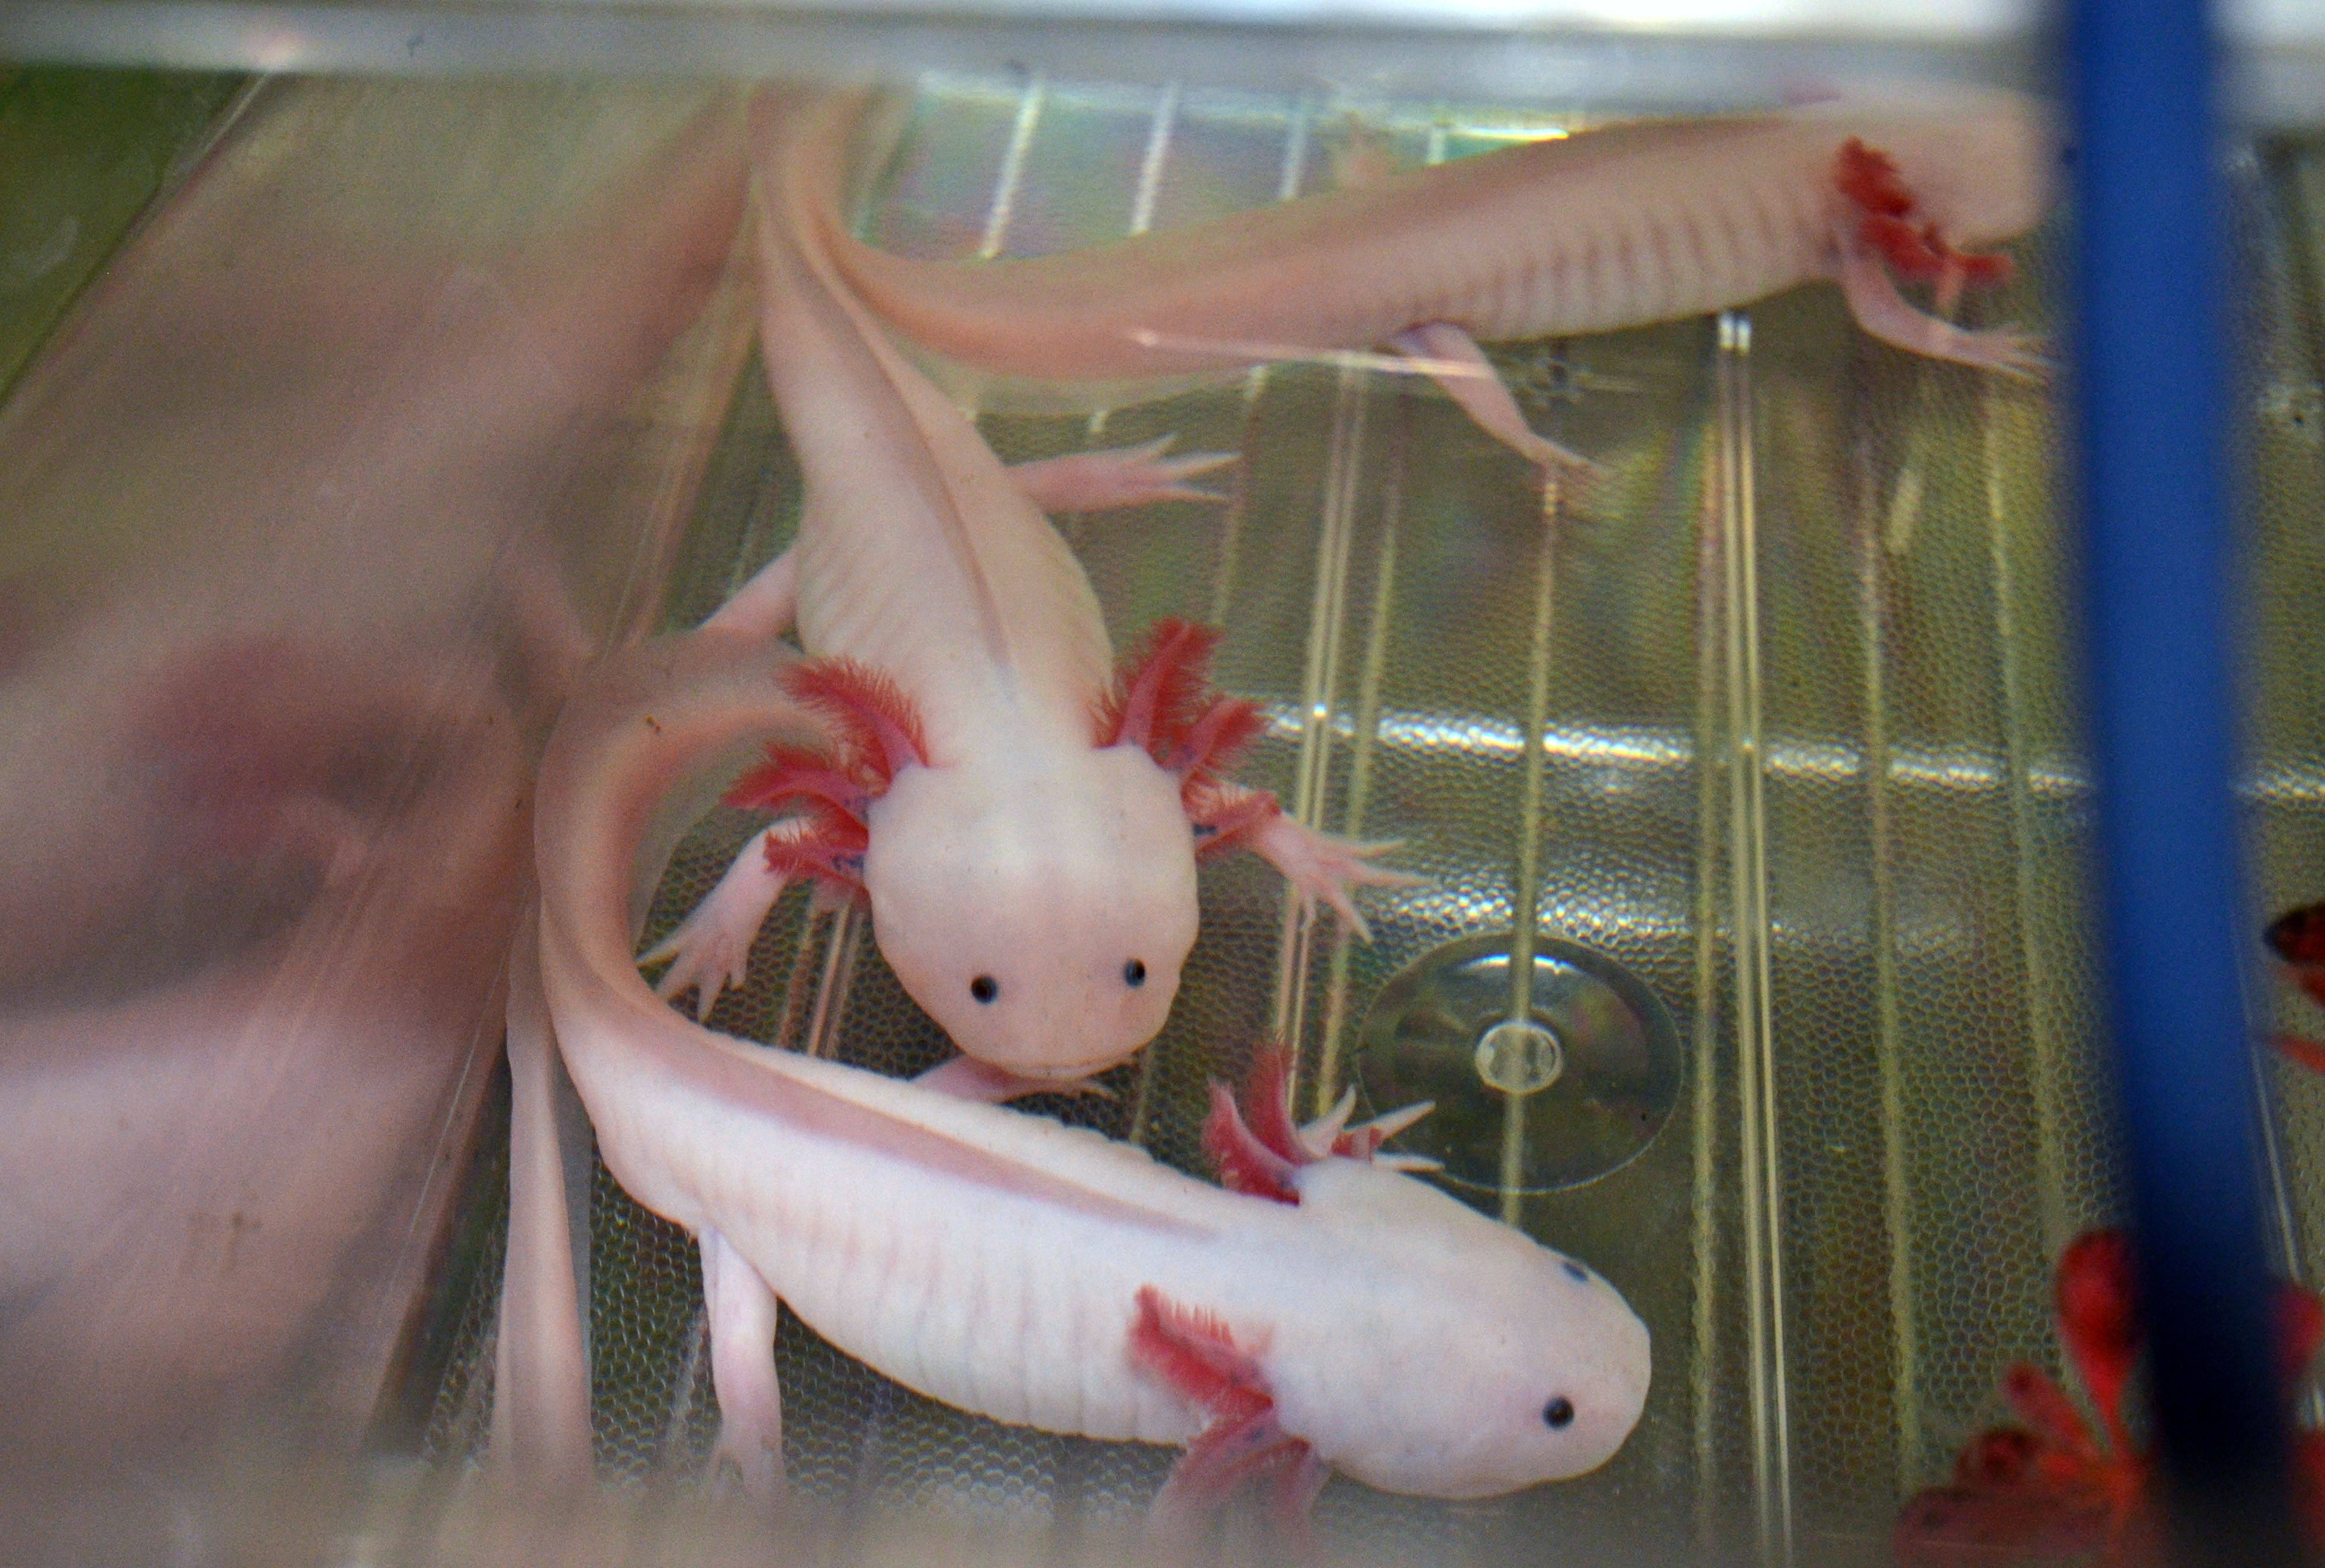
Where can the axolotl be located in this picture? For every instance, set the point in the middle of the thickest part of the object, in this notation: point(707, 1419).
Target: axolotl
point(1023, 823)
point(1620, 226)
point(1330, 1312)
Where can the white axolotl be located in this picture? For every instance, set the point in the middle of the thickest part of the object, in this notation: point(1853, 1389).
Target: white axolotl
point(1333, 1312)
point(1633, 223)
point(1023, 823)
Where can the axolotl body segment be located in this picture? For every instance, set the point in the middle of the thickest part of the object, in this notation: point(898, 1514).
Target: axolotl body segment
point(1619, 226)
point(1023, 820)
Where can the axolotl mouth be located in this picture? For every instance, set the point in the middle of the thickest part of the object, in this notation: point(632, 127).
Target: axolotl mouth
point(1068, 1072)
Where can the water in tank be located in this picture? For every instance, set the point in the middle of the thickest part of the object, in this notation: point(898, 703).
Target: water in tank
point(370, 379)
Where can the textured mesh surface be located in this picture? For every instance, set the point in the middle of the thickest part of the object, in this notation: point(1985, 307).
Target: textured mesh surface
point(2283, 257)
point(1808, 767)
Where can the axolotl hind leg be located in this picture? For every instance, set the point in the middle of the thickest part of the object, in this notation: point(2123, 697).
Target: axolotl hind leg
point(741, 1307)
point(541, 1391)
point(1451, 358)
point(1117, 477)
point(1445, 352)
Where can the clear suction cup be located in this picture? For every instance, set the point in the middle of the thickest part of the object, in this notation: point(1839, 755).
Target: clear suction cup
point(1541, 1084)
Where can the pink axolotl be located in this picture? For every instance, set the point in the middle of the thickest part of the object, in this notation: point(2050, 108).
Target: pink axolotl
point(1325, 1311)
point(1023, 823)
point(2055, 1491)
point(1633, 223)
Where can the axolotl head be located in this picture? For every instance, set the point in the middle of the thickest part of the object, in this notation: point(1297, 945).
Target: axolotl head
point(1486, 1362)
point(1040, 913)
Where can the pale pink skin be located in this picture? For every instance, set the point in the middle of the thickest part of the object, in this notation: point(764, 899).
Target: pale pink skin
point(1616, 227)
point(990, 1259)
point(1023, 851)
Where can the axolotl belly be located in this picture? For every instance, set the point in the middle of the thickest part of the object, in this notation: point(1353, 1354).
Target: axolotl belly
point(1024, 820)
point(1329, 1311)
point(1620, 226)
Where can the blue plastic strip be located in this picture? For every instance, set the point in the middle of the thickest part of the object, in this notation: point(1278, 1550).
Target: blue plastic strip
point(2152, 360)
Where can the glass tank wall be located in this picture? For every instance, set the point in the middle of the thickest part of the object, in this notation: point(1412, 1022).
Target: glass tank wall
point(353, 409)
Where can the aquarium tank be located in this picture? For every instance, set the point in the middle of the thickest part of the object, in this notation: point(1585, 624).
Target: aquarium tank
point(1668, 483)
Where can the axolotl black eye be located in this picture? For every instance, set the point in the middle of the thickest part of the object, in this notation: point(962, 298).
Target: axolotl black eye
point(985, 987)
point(1134, 973)
point(1559, 1414)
